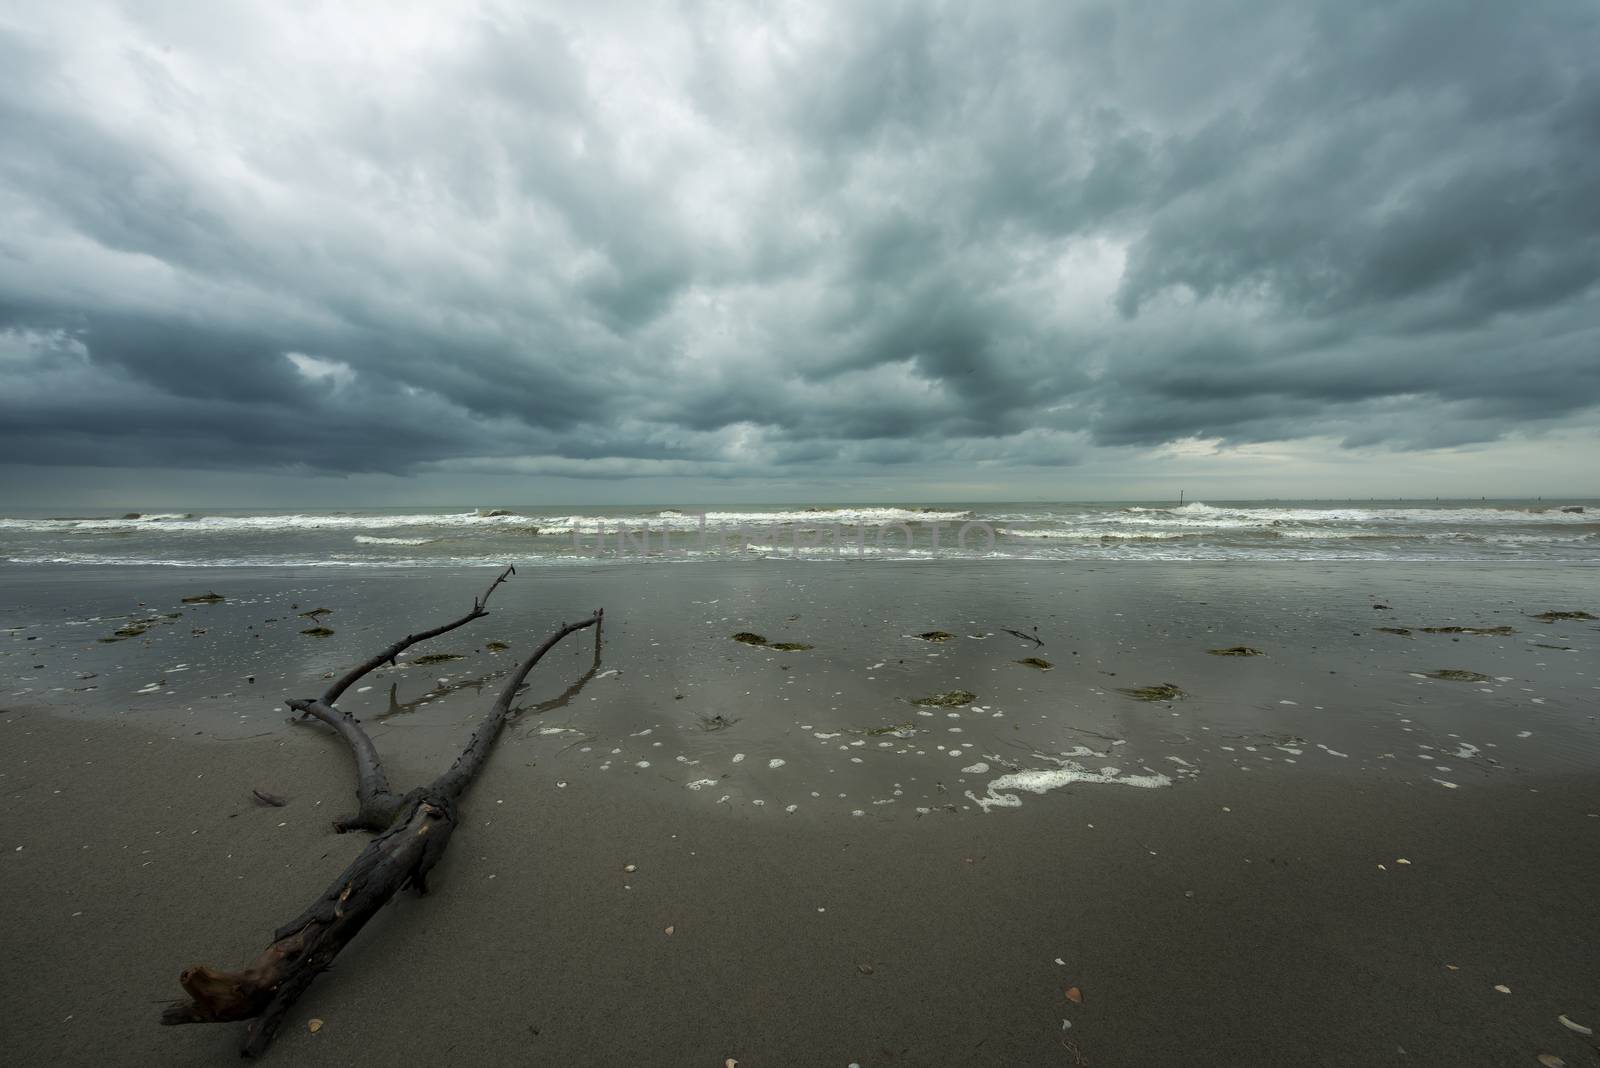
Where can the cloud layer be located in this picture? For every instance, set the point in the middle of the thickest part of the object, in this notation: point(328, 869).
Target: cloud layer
point(707, 240)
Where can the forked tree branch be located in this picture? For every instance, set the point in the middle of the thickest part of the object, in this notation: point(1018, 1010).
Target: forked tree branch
point(377, 805)
point(331, 695)
point(470, 762)
point(401, 856)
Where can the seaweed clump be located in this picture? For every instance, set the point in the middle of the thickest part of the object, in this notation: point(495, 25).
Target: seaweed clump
point(1457, 675)
point(317, 632)
point(745, 637)
point(935, 635)
point(1164, 692)
point(1467, 630)
point(496, 647)
point(130, 630)
point(434, 658)
point(1236, 650)
point(1402, 631)
point(1036, 662)
point(898, 730)
point(1556, 617)
point(953, 699)
point(205, 598)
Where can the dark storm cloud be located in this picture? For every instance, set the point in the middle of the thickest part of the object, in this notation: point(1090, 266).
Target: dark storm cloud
point(835, 238)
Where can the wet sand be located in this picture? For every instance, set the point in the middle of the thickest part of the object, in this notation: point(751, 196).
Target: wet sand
point(1252, 911)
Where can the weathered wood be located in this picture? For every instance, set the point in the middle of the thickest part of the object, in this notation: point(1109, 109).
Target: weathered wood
point(470, 762)
point(1034, 637)
point(410, 844)
point(376, 804)
point(331, 695)
point(307, 946)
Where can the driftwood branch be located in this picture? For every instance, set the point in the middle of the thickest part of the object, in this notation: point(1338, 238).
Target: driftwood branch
point(331, 695)
point(1034, 637)
point(565, 697)
point(470, 762)
point(410, 844)
point(377, 804)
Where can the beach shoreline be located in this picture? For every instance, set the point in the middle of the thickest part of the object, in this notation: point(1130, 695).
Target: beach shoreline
point(1293, 895)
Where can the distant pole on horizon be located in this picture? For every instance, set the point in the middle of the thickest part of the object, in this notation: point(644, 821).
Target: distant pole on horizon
point(1180, 498)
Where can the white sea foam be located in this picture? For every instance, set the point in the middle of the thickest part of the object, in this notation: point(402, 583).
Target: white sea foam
point(1196, 531)
point(667, 519)
point(1042, 780)
point(232, 524)
point(1198, 512)
point(1093, 534)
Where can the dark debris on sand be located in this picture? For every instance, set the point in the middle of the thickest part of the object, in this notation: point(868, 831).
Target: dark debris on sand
point(953, 699)
point(1557, 617)
point(745, 637)
point(1166, 691)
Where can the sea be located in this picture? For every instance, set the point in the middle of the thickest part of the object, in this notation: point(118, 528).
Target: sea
point(538, 535)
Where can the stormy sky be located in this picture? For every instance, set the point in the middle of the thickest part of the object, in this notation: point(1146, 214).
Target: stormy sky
point(284, 252)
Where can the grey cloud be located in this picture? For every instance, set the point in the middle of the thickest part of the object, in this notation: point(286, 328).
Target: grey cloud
point(806, 240)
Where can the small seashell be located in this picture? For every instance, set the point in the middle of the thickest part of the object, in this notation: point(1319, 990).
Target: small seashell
point(1571, 1026)
point(1550, 1060)
point(671, 928)
point(313, 1026)
point(1502, 988)
point(630, 868)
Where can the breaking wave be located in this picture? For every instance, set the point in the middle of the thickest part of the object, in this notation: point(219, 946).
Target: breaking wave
point(1412, 531)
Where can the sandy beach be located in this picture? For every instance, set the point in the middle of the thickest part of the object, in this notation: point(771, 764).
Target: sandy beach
point(1045, 534)
point(1317, 855)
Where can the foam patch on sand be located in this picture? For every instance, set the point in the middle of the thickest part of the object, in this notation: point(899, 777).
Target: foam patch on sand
point(1043, 780)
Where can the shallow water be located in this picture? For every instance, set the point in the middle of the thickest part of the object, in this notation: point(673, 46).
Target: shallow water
point(1154, 531)
point(678, 710)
